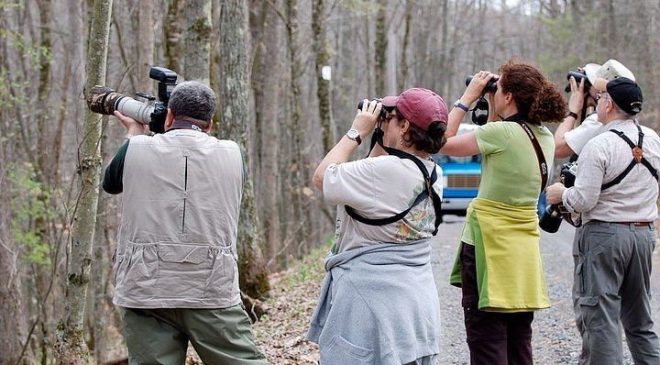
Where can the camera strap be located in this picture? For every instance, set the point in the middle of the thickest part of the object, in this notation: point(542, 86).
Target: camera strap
point(543, 166)
point(638, 157)
point(429, 180)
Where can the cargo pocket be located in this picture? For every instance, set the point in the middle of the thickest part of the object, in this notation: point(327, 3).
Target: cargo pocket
point(183, 270)
point(223, 282)
point(341, 352)
point(587, 314)
point(139, 276)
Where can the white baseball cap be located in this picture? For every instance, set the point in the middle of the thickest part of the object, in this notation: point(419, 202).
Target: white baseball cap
point(609, 70)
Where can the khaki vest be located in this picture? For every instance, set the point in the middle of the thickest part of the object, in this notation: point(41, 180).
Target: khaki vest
point(177, 240)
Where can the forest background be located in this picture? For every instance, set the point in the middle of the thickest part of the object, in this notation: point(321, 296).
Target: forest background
point(265, 60)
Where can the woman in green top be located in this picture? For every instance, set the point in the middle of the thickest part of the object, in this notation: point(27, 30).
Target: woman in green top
point(498, 265)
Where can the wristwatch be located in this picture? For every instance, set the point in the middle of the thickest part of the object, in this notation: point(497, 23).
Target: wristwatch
point(460, 105)
point(354, 135)
point(571, 114)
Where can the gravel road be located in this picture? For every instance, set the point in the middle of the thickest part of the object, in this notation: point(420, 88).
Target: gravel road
point(556, 340)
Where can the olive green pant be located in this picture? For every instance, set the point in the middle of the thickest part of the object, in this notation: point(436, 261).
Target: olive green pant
point(160, 336)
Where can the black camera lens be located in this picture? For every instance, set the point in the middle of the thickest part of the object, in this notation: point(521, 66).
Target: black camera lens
point(490, 87)
point(550, 219)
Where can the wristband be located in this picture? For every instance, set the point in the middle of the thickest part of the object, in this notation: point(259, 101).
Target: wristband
point(460, 105)
point(571, 114)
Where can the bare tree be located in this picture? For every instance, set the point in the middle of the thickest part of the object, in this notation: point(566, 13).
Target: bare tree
point(323, 85)
point(71, 346)
point(197, 43)
point(235, 116)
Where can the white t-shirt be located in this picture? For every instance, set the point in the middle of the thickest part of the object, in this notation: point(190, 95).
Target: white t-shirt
point(380, 187)
point(578, 137)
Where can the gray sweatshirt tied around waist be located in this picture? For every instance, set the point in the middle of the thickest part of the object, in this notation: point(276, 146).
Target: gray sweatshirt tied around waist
point(378, 305)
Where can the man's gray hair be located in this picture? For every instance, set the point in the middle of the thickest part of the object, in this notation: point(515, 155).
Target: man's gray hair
point(622, 114)
point(194, 100)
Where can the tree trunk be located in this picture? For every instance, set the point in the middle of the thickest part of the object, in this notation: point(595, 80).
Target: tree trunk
point(323, 86)
point(145, 46)
point(298, 167)
point(71, 347)
point(172, 29)
point(380, 49)
point(266, 78)
point(404, 48)
point(235, 116)
point(197, 48)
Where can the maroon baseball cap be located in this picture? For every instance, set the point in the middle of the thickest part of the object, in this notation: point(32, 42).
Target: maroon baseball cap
point(420, 107)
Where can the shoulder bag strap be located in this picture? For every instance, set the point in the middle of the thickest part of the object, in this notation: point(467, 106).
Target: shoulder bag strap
point(543, 166)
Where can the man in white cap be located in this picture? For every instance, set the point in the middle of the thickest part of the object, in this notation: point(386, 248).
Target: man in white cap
point(616, 190)
point(571, 135)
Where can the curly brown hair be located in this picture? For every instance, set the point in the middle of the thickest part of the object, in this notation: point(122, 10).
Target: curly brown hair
point(536, 98)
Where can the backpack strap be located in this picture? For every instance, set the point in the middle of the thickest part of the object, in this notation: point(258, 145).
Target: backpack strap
point(427, 192)
point(638, 157)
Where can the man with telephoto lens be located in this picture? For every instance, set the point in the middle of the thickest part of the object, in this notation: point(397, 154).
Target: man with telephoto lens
point(573, 133)
point(176, 278)
point(616, 190)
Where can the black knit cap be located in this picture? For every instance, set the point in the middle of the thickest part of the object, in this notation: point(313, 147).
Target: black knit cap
point(626, 94)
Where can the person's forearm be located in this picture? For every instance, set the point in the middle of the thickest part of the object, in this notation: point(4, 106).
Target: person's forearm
point(454, 120)
point(341, 152)
point(562, 149)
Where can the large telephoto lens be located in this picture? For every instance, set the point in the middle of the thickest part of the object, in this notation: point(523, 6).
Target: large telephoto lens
point(137, 110)
point(104, 100)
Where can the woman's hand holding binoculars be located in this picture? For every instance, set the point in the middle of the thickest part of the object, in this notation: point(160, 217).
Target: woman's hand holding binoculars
point(475, 88)
point(367, 117)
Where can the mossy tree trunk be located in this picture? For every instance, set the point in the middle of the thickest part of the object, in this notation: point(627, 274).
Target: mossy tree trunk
point(323, 90)
point(234, 119)
point(71, 346)
point(197, 41)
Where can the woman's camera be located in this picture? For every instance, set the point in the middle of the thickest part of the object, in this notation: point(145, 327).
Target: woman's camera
point(553, 214)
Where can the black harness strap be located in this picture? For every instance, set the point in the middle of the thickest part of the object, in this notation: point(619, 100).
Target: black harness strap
point(428, 191)
point(637, 158)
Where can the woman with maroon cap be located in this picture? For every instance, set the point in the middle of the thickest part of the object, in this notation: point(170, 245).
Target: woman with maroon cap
point(498, 265)
point(379, 303)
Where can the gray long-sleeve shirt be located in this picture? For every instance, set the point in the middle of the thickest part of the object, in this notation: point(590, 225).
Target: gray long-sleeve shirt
point(602, 160)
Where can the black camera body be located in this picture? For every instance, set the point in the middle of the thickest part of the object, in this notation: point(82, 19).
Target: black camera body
point(104, 100)
point(578, 75)
point(552, 216)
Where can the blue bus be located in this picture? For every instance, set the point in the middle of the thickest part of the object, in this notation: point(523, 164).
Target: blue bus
point(461, 177)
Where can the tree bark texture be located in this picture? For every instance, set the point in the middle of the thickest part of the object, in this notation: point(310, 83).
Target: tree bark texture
point(197, 40)
point(298, 225)
point(173, 35)
point(380, 49)
point(235, 116)
point(323, 87)
point(266, 80)
point(71, 346)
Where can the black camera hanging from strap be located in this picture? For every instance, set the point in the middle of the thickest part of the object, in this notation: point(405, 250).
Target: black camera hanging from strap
point(429, 180)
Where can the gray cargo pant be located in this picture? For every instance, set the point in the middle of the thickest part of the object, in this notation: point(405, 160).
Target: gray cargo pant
point(612, 286)
point(160, 336)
